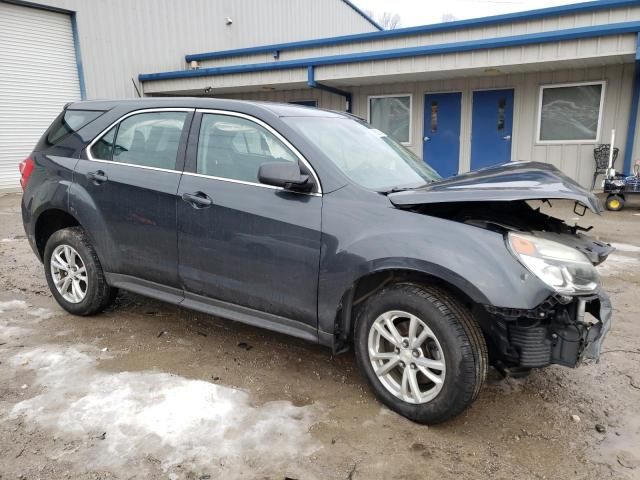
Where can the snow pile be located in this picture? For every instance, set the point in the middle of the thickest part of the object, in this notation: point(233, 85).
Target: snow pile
point(151, 414)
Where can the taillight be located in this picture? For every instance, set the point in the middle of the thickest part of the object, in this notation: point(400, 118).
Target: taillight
point(26, 168)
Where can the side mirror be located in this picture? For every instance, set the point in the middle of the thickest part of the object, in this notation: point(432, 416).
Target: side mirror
point(286, 175)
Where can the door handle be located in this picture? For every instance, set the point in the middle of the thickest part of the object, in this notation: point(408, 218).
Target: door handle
point(197, 200)
point(426, 139)
point(507, 137)
point(97, 177)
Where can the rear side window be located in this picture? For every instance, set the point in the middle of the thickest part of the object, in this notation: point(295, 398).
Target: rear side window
point(69, 121)
point(146, 139)
point(234, 148)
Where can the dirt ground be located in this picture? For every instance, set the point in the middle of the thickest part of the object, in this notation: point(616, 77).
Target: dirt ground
point(149, 390)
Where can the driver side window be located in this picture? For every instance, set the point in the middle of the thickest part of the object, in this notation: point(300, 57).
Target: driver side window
point(234, 148)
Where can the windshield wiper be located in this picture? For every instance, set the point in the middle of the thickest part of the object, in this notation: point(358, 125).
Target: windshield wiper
point(404, 189)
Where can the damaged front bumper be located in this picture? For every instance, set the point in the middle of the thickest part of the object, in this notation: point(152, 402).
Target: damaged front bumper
point(562, 330)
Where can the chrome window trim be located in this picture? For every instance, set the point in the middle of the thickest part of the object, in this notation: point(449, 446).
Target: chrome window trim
point(145, 167)
point(125, 116)
point(252, 184)
point(274, 132)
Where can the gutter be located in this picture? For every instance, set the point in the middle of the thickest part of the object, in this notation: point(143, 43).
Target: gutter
point(311, 82)
point(454, 47)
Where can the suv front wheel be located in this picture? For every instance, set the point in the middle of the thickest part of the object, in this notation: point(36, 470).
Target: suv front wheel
point(74, 273)
point(422, 352)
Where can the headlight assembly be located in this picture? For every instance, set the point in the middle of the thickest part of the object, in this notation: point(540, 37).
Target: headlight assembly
point(563, 268)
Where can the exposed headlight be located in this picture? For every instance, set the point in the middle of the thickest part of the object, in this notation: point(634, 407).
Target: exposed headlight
point(563, 268)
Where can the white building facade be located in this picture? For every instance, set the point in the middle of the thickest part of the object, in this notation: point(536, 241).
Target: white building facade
point(546, 85)
point(53, 52)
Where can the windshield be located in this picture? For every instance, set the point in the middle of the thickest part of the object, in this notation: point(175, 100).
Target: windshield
point(365, 155)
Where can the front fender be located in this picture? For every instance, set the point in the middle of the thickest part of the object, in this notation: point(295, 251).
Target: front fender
point(474, 260)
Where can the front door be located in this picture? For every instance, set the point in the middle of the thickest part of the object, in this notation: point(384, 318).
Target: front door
point(240, 241)
point(129, 179)
point(491, 128)
point(441, 142)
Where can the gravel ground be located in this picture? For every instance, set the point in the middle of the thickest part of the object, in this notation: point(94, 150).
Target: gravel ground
point(150, 390)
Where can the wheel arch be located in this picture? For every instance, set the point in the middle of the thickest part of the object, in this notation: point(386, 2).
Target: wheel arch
point(48, 222)
point(370, 283)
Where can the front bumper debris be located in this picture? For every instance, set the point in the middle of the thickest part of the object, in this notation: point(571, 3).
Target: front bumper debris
point(556, 332)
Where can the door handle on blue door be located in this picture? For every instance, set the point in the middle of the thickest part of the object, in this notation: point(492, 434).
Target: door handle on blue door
point(97, 177)
point(507, 137)
point(197, 200)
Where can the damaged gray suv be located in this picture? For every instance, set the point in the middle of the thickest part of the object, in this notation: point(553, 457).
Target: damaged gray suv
point(314, 224)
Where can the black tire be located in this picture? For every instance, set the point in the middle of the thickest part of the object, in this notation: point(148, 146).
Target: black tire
point(99, 294)
point(460, 338)
point(614, 203)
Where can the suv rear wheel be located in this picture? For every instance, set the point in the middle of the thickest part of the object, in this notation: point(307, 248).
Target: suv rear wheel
point(74, 273)
point(421, 351)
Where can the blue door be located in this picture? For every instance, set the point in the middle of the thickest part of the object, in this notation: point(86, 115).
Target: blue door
point(491, 128)
point(441, 143)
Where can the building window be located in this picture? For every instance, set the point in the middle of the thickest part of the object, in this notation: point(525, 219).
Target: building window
point(392, 115)
point(570, 113)
point(305, 103)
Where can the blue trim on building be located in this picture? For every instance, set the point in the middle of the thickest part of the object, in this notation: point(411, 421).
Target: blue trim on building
point(311, 82)
point(364, 15)
point(440, 27)
point(633, 115)
point(455, 47)
point(76, 47)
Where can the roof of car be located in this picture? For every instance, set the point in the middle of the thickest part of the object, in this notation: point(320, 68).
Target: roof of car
point(279, 109)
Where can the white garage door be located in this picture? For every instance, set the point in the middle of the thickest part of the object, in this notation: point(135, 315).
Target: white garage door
point(38, 76)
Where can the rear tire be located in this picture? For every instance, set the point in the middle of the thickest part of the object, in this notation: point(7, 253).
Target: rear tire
point(81, 286)
point(614, 203)
point(444, 373)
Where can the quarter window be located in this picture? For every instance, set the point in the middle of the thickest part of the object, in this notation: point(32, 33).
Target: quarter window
point(570, 113)
point(146, 139)
point(392, 115)
point(234, 148)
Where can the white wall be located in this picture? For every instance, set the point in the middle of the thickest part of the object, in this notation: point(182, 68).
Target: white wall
point(121, 38)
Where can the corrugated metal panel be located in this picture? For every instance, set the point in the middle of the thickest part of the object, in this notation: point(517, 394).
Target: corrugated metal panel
point(552, 23)
point(121, 38)
point(38, 76)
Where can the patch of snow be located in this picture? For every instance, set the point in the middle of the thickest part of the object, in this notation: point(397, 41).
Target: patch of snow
point(42, 313)
point(12, 305)
point(180, 421)
point(616, 264)
point(626, 247)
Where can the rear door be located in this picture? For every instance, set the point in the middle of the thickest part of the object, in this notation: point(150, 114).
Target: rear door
point(126, 187)
point(242, 242)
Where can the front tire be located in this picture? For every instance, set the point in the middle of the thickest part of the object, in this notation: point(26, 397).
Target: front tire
point(421, 351)
point(74, 273)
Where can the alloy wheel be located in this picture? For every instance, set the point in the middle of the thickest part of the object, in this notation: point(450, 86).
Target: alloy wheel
point(407, 357)
point(69, 274)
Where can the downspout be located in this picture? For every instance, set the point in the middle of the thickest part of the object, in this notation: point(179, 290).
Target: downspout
point(311, 81)
point(633, 115)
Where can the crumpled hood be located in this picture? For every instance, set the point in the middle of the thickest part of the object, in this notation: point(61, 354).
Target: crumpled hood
point(507, 182)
